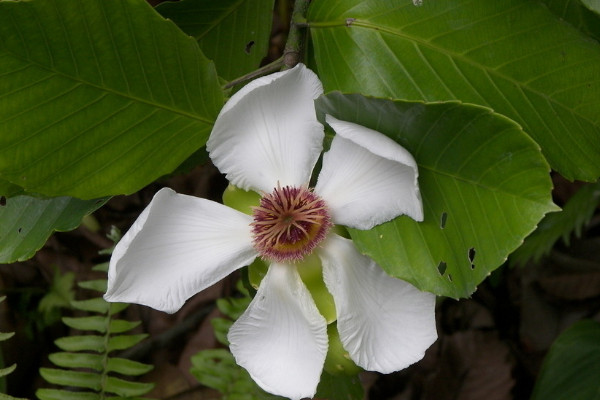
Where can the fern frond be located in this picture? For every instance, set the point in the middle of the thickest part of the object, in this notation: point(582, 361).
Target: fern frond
point(576, 213)
point(59, 296)
point(216, 368)
point(7, 370)
point(233, 308)
point(59, 394)
point(5, 335)
point(86, 364)
point(7, 397)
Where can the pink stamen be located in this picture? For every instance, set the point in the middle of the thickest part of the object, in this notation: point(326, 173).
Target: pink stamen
point(289, 224)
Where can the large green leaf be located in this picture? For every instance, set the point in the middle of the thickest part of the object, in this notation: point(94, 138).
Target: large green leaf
point(98, 97)
point(232, 33)
point(27, 222)
point(579, 14)
point(572, 367)
point(8, 189)
point(483, 181)
point(514, 56)
point(592, 5)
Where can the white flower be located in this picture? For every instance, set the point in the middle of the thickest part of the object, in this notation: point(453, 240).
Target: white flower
point(267, 139)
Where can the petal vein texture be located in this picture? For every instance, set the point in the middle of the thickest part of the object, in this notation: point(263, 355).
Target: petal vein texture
point(367, 178)
point(179, 246)
point(281, 339)
point(268, 132)
point(384, 323)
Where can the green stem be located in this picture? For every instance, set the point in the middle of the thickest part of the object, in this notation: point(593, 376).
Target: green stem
point(348, 22)
point(267, 69)
point(292, 51)
point(104, 375)
point(292, 54)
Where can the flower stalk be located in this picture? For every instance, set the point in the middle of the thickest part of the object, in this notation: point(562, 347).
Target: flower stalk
point(271, 67)
point(292, 53)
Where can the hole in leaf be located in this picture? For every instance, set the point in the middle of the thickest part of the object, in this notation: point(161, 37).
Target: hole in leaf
point(471, 254)
point(472, 266)
point(249, 46)
point(19, 230)
point(443, 220)
point(442, 267)
point(2, 201)
point(450, 277)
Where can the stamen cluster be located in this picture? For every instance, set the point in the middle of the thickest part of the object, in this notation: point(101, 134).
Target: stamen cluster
point(289, 223)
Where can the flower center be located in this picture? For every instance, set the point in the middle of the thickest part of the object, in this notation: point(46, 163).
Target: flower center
point(289, 223)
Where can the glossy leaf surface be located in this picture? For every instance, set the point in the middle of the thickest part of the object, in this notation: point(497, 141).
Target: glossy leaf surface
point(27, 222)
point(572, 366)
point(483, 181)
point(8, 189)
point(577, 13)
point(232, 33)
point(98, 97)
point(514, 56)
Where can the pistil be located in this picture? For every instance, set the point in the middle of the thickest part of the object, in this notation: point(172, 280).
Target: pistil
point(289, 224)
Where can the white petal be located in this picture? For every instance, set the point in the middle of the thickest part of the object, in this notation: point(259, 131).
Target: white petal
point(178, 246)
point(385, 324)
point(268, 132)
point(367, 178)
point(281, 339)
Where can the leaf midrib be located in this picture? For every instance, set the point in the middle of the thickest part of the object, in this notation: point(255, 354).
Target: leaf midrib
point(358, 23)
point(109, 90)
